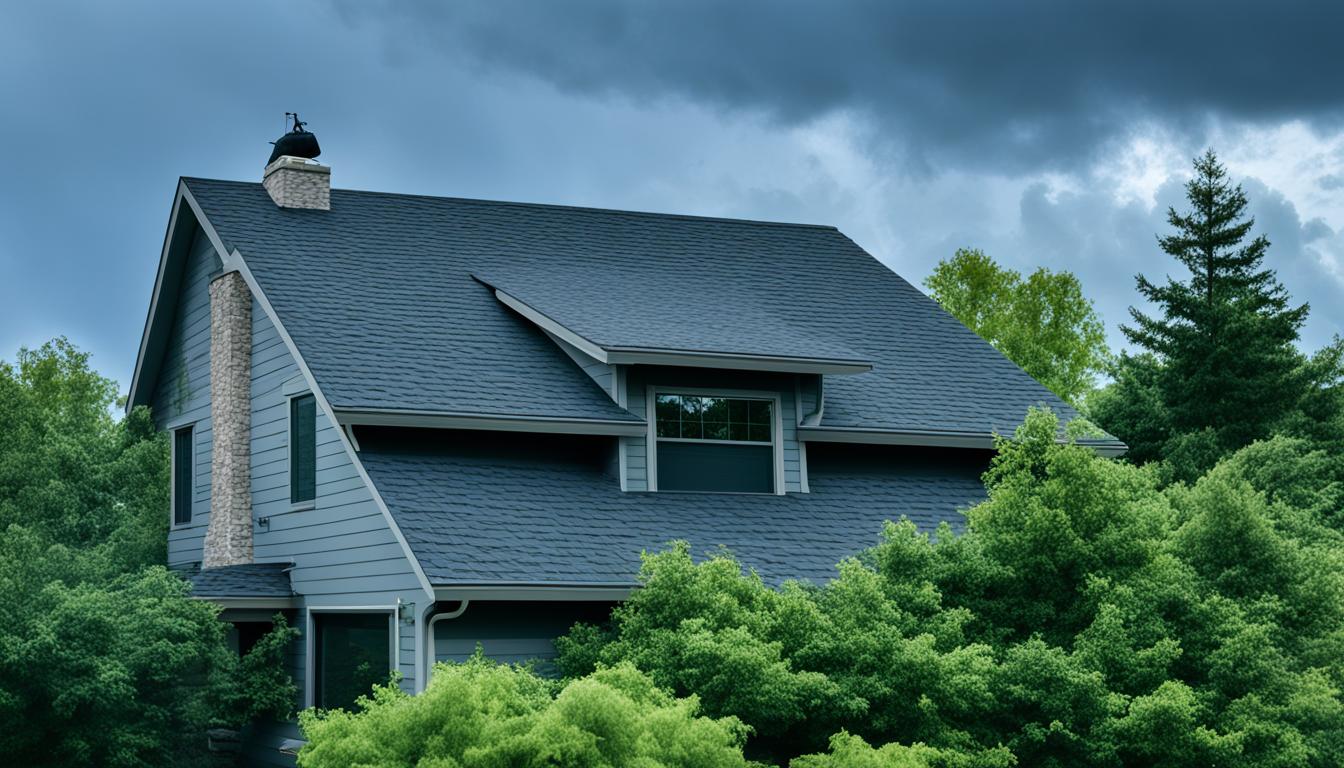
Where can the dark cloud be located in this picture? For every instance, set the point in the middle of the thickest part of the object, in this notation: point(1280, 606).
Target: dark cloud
point(1020, 85)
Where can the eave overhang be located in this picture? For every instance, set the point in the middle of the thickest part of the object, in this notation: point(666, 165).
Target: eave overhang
point(578, 592)
point(934, 439)
point(388, 417)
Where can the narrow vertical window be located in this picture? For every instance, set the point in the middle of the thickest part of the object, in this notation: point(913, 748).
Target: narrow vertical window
point(302, 449)
point(184, 467)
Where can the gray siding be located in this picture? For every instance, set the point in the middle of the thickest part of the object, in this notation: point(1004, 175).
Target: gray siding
point(343, 550)
point(182, 394)
point(514, 633)
point(640, 378)
point(601, 373)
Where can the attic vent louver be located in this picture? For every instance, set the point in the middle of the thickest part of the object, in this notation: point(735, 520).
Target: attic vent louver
point(292, 177)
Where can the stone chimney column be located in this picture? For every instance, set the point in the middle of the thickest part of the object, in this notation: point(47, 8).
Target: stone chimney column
point(228, 539)
point(295, 182)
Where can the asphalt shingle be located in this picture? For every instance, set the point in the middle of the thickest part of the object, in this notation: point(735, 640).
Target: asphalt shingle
point(474, 516)
point(248, 580)
point(378, 295)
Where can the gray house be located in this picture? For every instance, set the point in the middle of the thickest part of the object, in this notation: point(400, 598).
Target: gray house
point(418, 424)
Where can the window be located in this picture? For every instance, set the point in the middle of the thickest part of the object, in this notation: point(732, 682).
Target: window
point(352, 652)
point(302, 449)
point(184, 466)
point(711, 443)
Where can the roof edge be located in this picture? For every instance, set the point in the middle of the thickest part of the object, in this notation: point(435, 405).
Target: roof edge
point(507, 591)
point(391, 417)
point(935, 438)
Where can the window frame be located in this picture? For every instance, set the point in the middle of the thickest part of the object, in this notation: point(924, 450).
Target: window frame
point(191, 478)
point(297, 506)
point(310, 642)
point(776, 430)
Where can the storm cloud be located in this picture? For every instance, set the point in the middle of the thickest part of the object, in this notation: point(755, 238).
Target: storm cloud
point(983, 84)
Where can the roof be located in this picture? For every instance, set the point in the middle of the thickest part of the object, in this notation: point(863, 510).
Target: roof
point(249, 580)
point(543, 515)
point(379, 298)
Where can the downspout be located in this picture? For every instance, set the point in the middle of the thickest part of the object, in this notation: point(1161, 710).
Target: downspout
point(429, 647)
point(814, 418)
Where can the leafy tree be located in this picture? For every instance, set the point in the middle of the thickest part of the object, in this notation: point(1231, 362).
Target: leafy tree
point(483, 714)
point(1225, 336)
point(104, 660)
point(1042, 323)
point(1088, 616)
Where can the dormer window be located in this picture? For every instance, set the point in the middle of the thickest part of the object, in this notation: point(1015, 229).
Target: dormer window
point(716, 442)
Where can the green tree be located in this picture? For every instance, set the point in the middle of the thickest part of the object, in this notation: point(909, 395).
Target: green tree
point(1043, 323)
point(1088, 616)
point(1225, 336)
point(104, 659)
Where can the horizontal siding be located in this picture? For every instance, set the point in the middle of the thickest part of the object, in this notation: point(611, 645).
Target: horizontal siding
point(182, 393)
point(344, 552)
point(641, 378)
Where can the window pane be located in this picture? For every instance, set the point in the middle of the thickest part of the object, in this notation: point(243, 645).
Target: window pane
point(760, 411)
point(302, 449)
point(738, 431)
point(352, 654)
point(760, 433)
point(691, 408)
point(183, 467)
point(716, 467)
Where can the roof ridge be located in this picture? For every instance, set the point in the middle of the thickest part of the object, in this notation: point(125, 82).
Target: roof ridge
point(551, 206)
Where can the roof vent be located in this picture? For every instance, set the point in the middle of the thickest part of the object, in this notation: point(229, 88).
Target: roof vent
point(292, 177)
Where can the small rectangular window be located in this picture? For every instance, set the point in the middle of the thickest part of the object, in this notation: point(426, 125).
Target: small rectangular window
point(302, 449)
point(710, 443)
point(184, 468)
point(352, 652)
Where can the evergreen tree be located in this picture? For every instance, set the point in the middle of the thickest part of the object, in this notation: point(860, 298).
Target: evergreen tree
point(1226, 335)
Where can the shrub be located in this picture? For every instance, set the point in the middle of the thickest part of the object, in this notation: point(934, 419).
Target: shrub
point(483, 714)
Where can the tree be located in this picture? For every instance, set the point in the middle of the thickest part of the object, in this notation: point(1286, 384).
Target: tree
point(104, 659)
point(1225, 336)
point(1088, 616)
point(1042, 323)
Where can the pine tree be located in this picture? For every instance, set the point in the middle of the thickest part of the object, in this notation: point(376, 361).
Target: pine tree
point(1226, 336)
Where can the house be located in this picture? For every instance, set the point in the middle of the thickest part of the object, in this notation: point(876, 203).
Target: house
point(418, 423)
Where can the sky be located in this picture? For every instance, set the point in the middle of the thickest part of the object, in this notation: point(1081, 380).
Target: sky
point(1048, 134)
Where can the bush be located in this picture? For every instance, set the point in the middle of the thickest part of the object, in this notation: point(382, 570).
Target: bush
point(483, 714)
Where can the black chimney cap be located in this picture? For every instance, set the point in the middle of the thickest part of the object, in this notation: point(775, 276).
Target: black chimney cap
point(296, 143)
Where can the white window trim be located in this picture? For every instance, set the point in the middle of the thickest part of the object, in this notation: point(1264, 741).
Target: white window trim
point(310, 641)
point(173, 525)
point(776, 428)
point(298, 506)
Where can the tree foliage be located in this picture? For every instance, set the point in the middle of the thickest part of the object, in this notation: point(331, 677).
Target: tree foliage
point(1087, 617)
point(104, 660)
point(1219, 367)
point(1043, 323)
point(483, 714)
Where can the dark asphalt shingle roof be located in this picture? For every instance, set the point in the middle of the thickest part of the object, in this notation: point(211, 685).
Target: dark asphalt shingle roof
point(378, 295)
point(249, 580)
point(480, 518)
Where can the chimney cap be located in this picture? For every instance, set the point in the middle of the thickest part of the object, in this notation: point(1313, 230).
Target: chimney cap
point(296, 143)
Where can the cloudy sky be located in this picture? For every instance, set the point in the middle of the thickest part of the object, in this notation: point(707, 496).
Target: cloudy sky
point(1047, 133)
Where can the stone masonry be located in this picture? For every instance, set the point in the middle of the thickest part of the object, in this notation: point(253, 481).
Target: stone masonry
point(228, 540)
point(298, 183)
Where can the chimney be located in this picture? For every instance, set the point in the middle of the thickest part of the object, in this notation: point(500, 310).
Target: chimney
point(292, 177)
point(228, 539)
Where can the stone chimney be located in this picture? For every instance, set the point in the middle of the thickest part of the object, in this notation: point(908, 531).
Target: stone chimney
point(296, 182)
point(228, 540)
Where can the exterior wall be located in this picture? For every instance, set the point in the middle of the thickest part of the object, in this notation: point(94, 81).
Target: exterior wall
point(182, 395)
point(513, 632)
point(639, 378)
point(345, 554)
point(601, 373)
